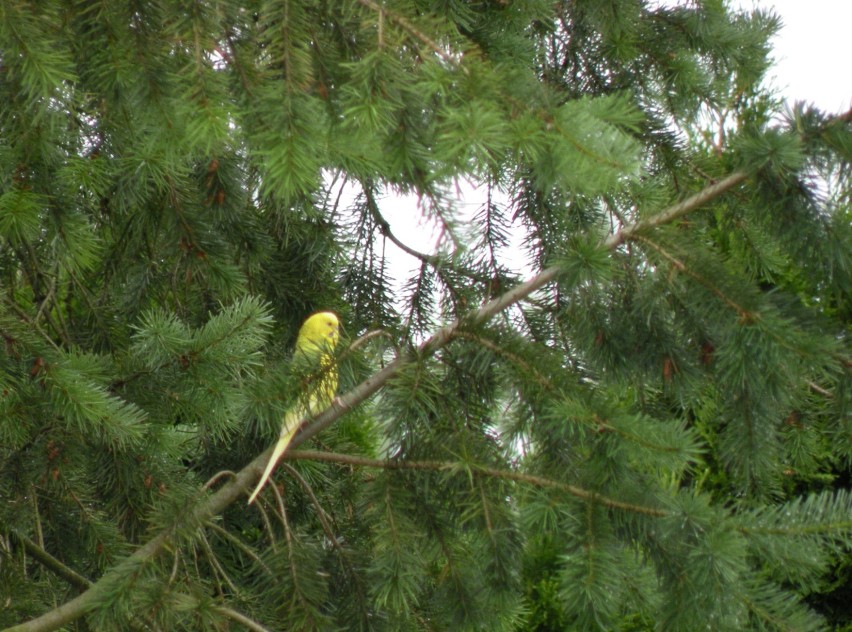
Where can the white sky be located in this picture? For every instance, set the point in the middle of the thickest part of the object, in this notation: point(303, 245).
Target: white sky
point(811, 53)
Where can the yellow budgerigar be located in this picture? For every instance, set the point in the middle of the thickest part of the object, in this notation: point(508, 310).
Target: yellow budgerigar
point(314, 346)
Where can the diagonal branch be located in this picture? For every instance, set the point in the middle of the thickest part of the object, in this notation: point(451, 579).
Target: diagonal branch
point(245, 478)
point(678, 210)
point(50, 562)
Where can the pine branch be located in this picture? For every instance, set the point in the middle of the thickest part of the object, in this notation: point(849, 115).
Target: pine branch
point(512, 357)
point(218, 570)
point(323, 517)
point(325, 522)
point(474, 470)
point(246, 477)
point(56, 566)
point(29, 321)
point(51, 563)
point(239, 544)
point(594, 420)
point(412, 30)
point(801, 530)
point(741, 311)
point(74, 578)
point(83, 603)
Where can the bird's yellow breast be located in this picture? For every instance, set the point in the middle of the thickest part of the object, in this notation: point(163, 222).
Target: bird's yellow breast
point(317, 339)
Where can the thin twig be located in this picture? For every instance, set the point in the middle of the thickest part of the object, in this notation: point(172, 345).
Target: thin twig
point(37, 515)
point(240, 618)
point(216, 477)
point(266, 521)
point(242, 546)
point(819, 390)
point(325, 522)
point(385, 229)
point(175, 566)
point(376, 333)
point(437, 263)
point(51, 292)
point(281, 515)
point(218, 570)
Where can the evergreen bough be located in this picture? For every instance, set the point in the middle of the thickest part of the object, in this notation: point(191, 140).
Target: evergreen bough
point(652, 432)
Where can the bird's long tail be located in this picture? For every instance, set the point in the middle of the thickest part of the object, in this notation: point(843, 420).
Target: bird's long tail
point(288, 430)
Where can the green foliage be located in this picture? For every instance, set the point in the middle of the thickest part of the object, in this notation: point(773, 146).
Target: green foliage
point(656, 438)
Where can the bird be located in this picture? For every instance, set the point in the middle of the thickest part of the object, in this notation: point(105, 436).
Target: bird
point(315, 345)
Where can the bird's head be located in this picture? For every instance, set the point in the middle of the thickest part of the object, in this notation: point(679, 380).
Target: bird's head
point(319, 332)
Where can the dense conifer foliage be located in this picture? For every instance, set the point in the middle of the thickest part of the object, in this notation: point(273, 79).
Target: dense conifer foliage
point(615, 397)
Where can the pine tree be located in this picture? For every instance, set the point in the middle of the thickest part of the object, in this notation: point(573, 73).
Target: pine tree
point(651, 432)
